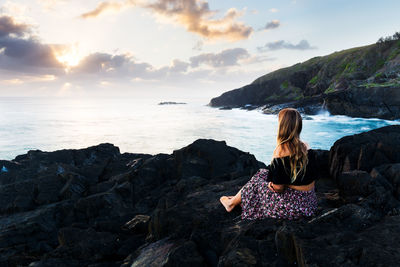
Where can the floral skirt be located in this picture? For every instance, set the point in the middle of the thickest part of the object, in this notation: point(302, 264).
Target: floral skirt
point(258, 201)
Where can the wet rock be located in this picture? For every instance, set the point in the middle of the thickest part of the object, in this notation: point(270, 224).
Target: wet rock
point(367, 102)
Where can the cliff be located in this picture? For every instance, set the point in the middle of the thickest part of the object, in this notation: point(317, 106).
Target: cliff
point(359, 82)
point(98, 207)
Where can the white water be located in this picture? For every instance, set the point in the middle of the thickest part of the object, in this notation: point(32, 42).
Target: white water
point(142, 126)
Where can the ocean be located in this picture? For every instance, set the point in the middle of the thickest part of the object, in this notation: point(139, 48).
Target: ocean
point(142, 126)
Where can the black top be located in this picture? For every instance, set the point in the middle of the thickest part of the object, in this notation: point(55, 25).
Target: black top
point(279, 173)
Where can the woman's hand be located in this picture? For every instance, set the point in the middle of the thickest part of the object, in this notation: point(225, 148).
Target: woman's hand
point(275, 187)
point(271, 187)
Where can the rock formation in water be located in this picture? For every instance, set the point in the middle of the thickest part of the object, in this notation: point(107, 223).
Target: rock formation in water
point(98, 207)
point(171, 103)
point(358, 82)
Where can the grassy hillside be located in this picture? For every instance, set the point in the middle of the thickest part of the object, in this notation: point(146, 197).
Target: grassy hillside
point(376, 65)
point(334, 72)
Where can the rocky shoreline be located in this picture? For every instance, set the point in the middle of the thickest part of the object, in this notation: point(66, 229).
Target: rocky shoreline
point(357, 82)
point(97, 207)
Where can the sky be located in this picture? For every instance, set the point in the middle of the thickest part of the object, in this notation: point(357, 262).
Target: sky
point(171, 48)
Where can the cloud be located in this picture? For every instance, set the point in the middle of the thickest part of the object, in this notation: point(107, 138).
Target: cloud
point(273, 10)
point(25, 59)
point(198, 46)
point(50, 4)
point(14, 9)
point(28, 55)
point(24, 54)
point(107, 65)
point(179, 66)
point(8, 26)
point(272, 25)
point(194, 15)
point(228, 57)
point(103, 7)
point(281, 44)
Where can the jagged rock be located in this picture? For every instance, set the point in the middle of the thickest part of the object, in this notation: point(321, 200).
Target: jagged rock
point(366, 150)
point(371, 102)
point(392, 173)
point(164, 210)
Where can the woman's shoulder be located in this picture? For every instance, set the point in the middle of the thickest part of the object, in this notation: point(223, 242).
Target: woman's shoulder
point(280, 153)
point(307, 145)
point(283, 155)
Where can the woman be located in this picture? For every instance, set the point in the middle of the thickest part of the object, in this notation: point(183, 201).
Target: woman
point(285, 189)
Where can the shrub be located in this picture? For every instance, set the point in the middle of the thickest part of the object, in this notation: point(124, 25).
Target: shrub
point(394, 37)
point(314, 80)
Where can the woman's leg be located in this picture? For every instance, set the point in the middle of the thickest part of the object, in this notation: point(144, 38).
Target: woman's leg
point(230, 202)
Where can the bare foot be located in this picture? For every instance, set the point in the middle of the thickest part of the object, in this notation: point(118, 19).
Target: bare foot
point(226, 201)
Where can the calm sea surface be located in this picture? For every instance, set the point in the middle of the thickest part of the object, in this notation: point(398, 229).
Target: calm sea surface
point(142, 126)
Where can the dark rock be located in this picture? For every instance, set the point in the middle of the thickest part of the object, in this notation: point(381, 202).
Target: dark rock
point(107, 204)
point(155, 254)
point(225, 108)
point(129, 243)
point(164, 210)
point(212, 159)
point(366, 150)
point(392, 173)
point(371, 102)
point(310, 106)
point(17, 197)
point(185, 255)
point(59, 262)
point(85, 244)
point(139, 224)
point(171, 103)
point(355, 183)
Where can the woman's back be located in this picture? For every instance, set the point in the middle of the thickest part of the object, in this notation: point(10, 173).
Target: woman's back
point(279, 171)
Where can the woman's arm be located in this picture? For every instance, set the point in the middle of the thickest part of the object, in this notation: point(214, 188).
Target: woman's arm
point(276, 187)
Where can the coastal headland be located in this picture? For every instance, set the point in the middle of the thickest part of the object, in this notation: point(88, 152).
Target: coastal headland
point(357, 82)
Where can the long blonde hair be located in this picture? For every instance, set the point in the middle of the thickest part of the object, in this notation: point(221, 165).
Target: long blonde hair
point(290, 126)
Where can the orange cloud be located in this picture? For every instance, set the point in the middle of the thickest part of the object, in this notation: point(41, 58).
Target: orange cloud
point(103, 7)
point(194, 15)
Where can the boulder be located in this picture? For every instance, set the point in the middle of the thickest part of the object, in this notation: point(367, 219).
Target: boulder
point(365, 151)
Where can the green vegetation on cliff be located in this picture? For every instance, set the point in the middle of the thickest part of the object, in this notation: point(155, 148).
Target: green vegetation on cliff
point(349, 65)
point(318, 80)
point(374, 65)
